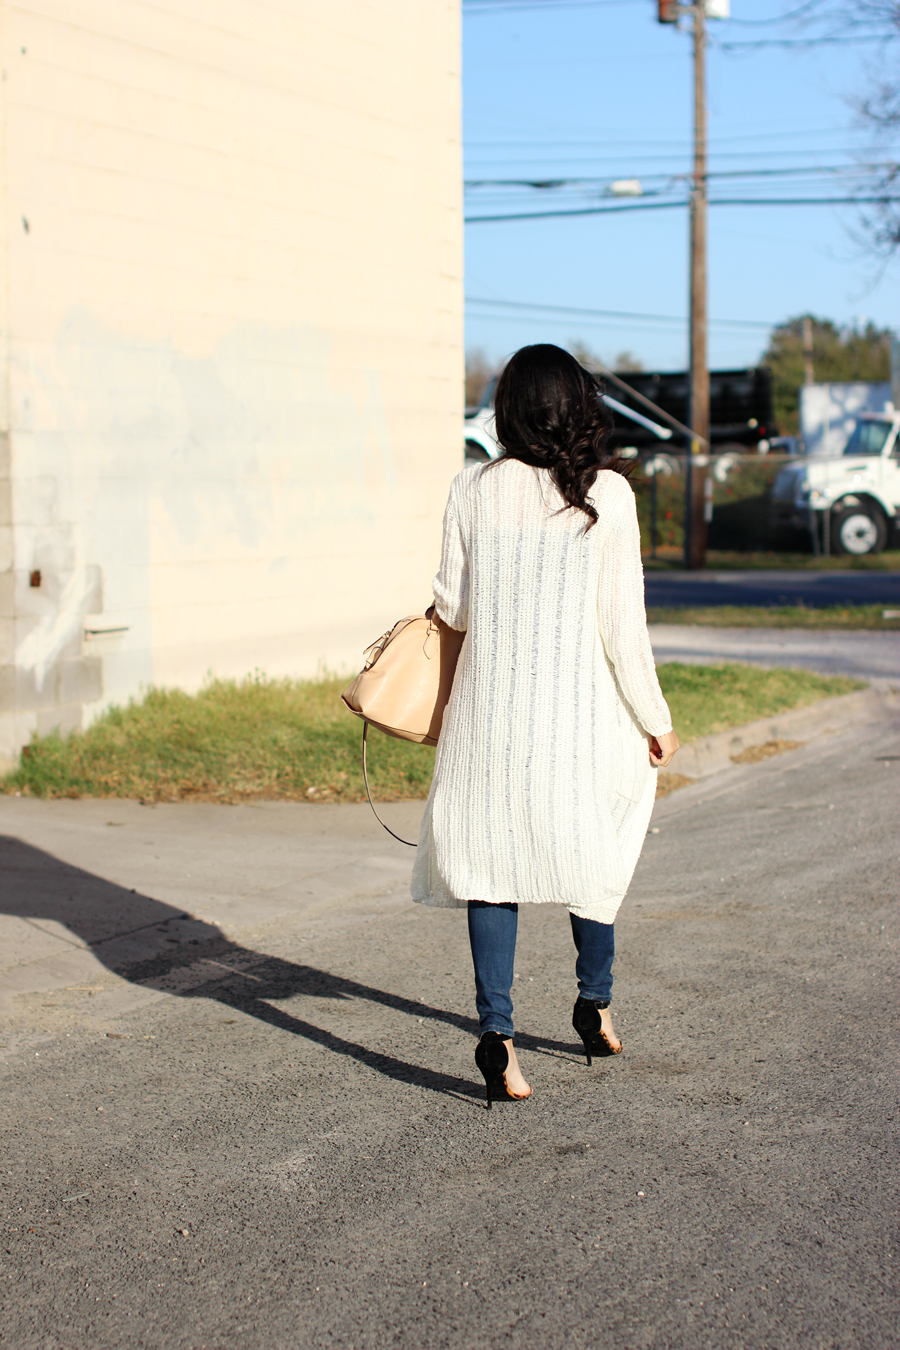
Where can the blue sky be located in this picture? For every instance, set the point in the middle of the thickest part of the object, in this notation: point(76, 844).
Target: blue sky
point(599, 90)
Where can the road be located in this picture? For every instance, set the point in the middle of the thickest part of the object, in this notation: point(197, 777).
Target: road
point(815, 589)
point(261, 1127)
point(860, 653)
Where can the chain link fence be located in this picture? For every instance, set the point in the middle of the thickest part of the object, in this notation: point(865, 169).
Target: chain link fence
point(738, 503)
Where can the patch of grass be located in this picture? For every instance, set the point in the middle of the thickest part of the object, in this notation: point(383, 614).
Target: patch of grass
point(720, 560)
point(830, 617)
point(707, 699)
point(294, 740)
point(288, 739)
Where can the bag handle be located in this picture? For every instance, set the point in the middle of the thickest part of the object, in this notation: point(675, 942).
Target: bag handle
point(408, 842)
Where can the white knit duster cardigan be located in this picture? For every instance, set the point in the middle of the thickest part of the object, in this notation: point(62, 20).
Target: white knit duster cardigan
point(542, 786)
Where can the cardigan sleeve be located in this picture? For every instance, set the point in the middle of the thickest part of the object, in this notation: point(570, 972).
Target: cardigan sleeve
point(622, 620)
point(451, 585)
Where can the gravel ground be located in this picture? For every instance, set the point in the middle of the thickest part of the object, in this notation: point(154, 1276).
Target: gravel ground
point(263, 1128)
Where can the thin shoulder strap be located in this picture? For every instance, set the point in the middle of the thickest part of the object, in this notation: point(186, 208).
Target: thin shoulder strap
point(409, 842)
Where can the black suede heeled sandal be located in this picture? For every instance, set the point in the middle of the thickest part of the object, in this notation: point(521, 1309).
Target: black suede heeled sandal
point(492, 1058)
point(586, 1021)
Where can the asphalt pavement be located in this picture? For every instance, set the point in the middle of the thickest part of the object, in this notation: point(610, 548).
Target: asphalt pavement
point(246, 1114)
point(798, 587)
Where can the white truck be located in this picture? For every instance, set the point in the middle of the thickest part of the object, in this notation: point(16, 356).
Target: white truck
point(852, 500)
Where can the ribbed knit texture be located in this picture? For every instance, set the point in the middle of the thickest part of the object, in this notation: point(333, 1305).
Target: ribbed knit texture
point(542, 786)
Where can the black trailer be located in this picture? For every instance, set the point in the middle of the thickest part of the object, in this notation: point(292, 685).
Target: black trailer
point(740, 408)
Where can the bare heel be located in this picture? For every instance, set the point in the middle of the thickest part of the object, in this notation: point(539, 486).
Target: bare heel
point(492, 1058)
point(586, 1021)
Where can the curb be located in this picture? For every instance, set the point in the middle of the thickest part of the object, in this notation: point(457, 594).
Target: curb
point(712, 754)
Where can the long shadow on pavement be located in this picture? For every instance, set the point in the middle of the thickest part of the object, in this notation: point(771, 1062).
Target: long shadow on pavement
point(118, 926)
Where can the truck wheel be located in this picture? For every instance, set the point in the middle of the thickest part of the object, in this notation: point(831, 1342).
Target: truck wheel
point(858, 529)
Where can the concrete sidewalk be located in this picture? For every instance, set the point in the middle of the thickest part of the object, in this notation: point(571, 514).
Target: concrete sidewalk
point(140, 879)
point(862, 653)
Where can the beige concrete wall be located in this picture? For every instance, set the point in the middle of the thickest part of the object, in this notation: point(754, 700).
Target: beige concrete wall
point(233, 340)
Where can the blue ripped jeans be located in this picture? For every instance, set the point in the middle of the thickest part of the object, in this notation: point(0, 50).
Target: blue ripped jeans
point(492, 934)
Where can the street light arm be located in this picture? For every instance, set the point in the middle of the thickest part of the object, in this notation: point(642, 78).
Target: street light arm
point(663, 433)
point(648, 403)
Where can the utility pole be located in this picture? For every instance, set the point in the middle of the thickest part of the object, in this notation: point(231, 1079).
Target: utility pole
point(808, 374)
point(697, 456)
point(696, 465)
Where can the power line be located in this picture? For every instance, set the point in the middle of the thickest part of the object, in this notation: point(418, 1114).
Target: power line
point(511, 6)
point(620, 155)
point(778, 18)
point(609, 313)
point(555, 168)
point(664, 206)
point(755, 136)
point(619, 152)
point(632, 152)
point(804, 42)
point(582, 211)
point(499, 6)
point(544, 184)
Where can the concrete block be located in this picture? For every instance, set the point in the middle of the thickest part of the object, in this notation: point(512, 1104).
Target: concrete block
point(62, 718)
point(9, 746)
point(51, 548)
point(6, 517)
point(80, 680)
point(7, 641)
point(34, 501)
point(15, 731)
point(8, 689)
point(30, 691)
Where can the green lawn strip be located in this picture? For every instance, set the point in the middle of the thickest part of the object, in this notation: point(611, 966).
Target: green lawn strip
point(670, 560)
point(231, 742)
point(293, 739)
point(831, 617)
point(708, 699)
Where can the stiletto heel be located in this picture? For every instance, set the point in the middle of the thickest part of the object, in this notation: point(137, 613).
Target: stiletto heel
point(492, 1058)
point(586, 1021)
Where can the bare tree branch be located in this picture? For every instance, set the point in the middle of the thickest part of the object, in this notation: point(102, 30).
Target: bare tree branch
point(877, 110)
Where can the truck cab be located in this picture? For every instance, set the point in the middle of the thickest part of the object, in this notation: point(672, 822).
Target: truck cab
point(853, 500)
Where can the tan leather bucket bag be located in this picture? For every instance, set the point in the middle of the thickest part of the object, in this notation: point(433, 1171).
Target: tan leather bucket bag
point(405, 684)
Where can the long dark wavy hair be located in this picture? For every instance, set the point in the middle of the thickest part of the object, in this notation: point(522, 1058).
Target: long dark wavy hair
point(549, 413)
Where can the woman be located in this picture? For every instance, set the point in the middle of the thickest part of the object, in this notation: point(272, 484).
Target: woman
point(544, 776)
